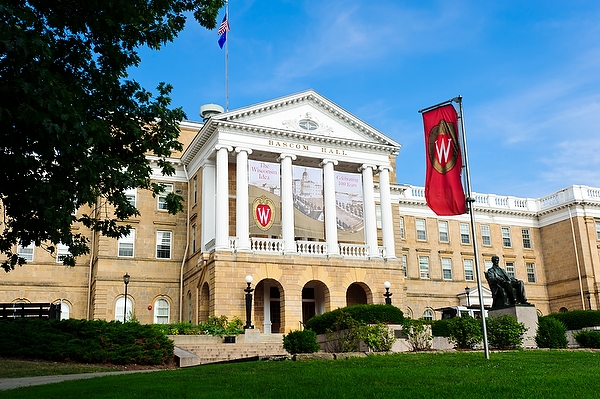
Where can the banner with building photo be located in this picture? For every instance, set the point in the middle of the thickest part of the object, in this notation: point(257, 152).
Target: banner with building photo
point(349, 207)
point(308, 203)
point(264, 196)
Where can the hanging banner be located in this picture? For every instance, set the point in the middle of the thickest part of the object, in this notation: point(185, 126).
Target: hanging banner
point(443, 186)
point(308, 203)
point(264, 195)
point(349, 207)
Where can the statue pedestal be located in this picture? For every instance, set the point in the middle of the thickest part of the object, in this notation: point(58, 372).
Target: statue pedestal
point(525, 314)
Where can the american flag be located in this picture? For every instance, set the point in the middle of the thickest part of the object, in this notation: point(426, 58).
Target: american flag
point(224, 27)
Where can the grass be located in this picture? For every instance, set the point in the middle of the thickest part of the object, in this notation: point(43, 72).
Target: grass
point(12, 368)
point(518, 374)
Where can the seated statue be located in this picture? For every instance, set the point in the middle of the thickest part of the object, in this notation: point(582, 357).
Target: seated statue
point(506, 290)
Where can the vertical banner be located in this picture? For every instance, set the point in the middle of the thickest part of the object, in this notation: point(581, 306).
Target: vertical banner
point(264, 195)
point(349, 207)
point(443, 186)
point(308, 203)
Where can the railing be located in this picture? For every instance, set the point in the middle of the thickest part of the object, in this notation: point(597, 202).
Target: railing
point(311, 247)
point(354, 250)
point(268, 245)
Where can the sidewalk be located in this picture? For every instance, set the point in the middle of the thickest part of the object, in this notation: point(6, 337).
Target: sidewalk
point(11, 383)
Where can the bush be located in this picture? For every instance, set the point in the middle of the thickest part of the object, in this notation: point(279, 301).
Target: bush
point(418, 332)
point(439, 328)
point(365, 314)
point(588, 338)
point(505, 332)
point(216, 326)
point(465, 332)
point(378, 337)
point(551, 333)
point(578, 319)
point(304, 341)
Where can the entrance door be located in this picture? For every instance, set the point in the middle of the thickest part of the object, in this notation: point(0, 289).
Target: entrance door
point(309, 310)
point(275, 316)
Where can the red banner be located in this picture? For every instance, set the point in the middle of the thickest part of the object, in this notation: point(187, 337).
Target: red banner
point(443, 187)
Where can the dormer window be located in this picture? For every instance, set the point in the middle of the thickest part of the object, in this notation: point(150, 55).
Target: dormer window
point(308, 124)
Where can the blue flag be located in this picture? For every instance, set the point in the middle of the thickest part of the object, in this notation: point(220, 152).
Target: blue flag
point(223, 28)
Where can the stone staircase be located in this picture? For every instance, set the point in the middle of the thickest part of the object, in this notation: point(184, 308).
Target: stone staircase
point(193, 350)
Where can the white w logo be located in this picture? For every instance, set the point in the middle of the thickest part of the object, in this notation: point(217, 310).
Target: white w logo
point(442, 149)
point(263, 214)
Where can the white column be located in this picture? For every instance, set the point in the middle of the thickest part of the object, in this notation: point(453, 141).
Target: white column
point(385, 200)
point(208, 204)
point(369, 210)
point(242, 222)
point(287, 203)
point(329, 207)
point(222, 198)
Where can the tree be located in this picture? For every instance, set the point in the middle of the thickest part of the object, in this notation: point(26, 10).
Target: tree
point(74, 130)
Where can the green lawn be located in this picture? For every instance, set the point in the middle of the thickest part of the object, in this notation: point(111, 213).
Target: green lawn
point(518, 374)
point(10, 368)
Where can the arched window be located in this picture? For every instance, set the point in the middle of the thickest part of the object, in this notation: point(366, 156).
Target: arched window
point(189, 306)
point(161, 311)
point(409, 313)
point(65, 309)
point(428, 314)
point(563, 310)
point(120, 309)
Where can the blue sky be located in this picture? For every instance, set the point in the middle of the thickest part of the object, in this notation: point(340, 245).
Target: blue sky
point(528, 71)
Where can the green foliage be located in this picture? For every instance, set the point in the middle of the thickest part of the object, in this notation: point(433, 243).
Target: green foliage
point(378, 337)
point(301, 341)
point(366, 314)
point(439, 328)
point(418, 333)
point(588, 338)
point(217, 326)
point(551, 333)
point(85, 341)
point(465, 332)
point(347, 333)
point(505, 332)
point(75, 130)
point(578, 319)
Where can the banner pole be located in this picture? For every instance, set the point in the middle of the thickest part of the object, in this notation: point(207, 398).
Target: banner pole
point(227, 60)
point(470, 201)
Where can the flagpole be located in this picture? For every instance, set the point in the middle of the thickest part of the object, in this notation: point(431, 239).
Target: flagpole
point(470, 201)
point(227, 61)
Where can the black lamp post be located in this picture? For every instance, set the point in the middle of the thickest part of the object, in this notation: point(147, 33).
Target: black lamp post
point(388, 294)
point(589, 298)
point(467, 290)
point(248, 292)
point(126, 281)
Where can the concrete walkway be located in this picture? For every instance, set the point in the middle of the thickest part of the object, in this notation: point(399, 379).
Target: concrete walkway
point(11, 383)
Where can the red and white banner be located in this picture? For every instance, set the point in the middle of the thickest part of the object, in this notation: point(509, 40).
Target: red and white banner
point(443, 186)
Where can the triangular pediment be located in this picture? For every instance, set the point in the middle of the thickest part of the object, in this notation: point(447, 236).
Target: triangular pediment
point(307, 113)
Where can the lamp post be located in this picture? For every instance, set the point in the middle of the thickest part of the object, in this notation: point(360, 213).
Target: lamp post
point(388, 294)
point(467, 290)
point(589, 298)
point(248, 292)
point(126, 281)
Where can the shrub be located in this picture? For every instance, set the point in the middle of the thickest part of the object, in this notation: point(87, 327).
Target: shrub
point(439, 328)
point(505, 332)
point(588, 338)
point(344, 334)
point(304, 341)
point(578, 319)
point(418, 332)
point(465, 332)
point(365, 314)
point(217, 326)
point(378, 337)
point(551, 333)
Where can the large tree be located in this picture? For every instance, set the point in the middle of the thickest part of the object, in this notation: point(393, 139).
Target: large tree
point(74, 130)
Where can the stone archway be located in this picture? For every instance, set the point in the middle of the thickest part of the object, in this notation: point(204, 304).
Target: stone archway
point(204, 303)
point(269, 304)
point(357, 293)
point(315, 299)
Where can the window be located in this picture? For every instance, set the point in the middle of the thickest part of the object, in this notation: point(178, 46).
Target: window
point(424, 266)
point(61, 252)
point(126, 245)
point(526, 238)
point(409, 313)
point(428, 314)
point(378, 215)
point(162, 197)
point(163, 244)
point(190, 306)
point(401, 221)
point(486, 238)
point(443, 228)
point(465, 235)
point(195, 188)
point(405, 265)
point(193, 238)
point(65, 310)
point(510, 269)
point(447, 268)
point(120, 310)
point(530, 273)
point(598, 230)
point(161, 311)
point(506, 241)
point(488, 264)
point(131, 195)
point(421, 231)
point(468, 265)
point(26, 252)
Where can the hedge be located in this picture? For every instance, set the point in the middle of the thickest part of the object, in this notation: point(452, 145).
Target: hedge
point(366, 314)
point(578, 319)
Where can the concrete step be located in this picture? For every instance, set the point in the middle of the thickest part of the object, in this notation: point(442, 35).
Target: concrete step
point(185, 358)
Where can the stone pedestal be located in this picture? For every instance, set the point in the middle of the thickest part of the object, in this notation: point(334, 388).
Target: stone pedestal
point(252, 336)
point(525, 314)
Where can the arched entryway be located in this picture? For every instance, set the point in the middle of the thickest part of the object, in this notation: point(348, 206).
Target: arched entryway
point(268, 306)
point(357, 293)
point(315, 299)
point(204, 303)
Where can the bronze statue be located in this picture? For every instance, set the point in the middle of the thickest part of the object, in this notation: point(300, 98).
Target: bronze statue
point(506, 290)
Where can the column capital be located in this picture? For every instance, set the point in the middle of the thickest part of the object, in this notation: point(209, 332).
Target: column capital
point(243, 149)
point(325, 161)
point(385, 167)
point(219, 147)
point(367, 166)
point(284, 155)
